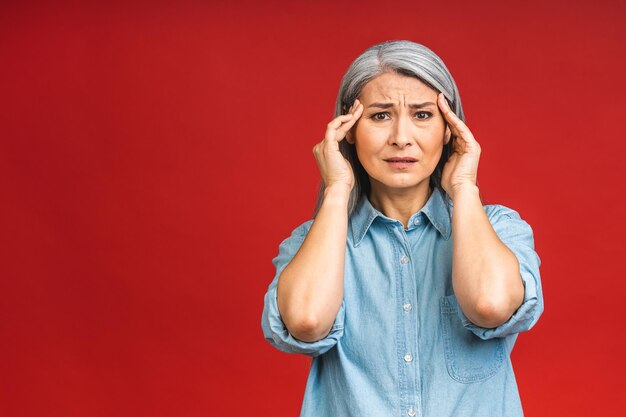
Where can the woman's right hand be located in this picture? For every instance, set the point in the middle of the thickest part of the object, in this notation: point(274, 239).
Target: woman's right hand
point(334, 168)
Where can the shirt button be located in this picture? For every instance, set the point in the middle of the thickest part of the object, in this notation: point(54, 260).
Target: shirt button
point(404, 260)
point(407, 307)
point(416, 221)
point(408, 357)
point(410, 412)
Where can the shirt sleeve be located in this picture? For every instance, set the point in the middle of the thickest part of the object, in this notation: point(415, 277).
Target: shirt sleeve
point(274, 330)
point(517, 235)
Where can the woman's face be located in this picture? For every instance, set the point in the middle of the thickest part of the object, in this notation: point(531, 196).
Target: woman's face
point(400, 136)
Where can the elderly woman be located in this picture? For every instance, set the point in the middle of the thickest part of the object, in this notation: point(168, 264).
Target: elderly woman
point(405, 289)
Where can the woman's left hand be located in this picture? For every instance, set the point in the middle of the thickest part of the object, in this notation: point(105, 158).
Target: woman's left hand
point(462, 166)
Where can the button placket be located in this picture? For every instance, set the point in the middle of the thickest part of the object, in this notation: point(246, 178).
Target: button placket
point(407, 294)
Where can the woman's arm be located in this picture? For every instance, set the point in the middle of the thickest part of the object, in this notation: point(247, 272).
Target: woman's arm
point(310, 288)
point(485, 273)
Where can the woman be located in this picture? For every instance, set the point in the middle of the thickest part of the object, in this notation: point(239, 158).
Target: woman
point(407, 292)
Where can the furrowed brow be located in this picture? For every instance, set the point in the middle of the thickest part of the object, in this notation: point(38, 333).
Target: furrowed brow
point(413, 105)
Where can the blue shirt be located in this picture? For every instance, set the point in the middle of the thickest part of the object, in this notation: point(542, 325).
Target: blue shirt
point(400, 344)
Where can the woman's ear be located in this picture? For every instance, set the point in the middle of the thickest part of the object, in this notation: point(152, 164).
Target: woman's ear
point(446, 137)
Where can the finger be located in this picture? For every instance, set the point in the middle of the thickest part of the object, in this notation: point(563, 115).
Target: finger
point(338, 127)
point(337, 121)
point(457, 126)
point(353, 106)
point(344, 128)
point(331, 129)
point(357, 110)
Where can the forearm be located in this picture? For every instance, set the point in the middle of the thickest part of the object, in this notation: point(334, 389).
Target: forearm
point(310, 288)
point(485, 273)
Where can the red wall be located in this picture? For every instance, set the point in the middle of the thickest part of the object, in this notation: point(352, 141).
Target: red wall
point(153, 156)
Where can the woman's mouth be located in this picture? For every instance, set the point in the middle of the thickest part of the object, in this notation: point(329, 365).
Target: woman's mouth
point(404, 162)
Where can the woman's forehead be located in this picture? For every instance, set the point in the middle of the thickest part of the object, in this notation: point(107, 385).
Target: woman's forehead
point(392, 86)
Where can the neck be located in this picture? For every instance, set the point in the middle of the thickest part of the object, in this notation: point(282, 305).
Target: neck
point(399, 204)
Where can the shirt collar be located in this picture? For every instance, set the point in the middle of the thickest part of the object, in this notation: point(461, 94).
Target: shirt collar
point(434, 210)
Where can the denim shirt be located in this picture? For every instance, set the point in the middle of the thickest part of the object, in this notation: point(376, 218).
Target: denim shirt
point(400, 344)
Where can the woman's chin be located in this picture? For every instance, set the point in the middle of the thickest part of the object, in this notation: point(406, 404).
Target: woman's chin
point(396, 185)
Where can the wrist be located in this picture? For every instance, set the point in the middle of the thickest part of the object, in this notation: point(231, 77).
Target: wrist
point(462, 190)
point(338, 189)
point(338, 192)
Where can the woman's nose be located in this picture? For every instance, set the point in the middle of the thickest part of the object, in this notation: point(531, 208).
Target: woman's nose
point(401, 133)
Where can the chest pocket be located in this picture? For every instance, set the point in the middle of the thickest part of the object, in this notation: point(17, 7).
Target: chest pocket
point(468, 357)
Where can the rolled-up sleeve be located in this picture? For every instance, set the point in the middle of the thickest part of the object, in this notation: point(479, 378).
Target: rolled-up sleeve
point(517, 235)
point(274, 330)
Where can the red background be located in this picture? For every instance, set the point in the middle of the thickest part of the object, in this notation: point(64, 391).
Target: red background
point(153, 156)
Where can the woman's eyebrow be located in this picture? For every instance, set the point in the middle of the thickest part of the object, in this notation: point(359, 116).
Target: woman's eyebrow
point(413, 105)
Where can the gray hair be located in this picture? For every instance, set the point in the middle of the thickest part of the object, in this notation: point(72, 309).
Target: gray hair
point(405, 58)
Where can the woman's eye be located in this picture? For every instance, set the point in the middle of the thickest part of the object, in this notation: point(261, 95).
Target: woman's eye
point(421, 115)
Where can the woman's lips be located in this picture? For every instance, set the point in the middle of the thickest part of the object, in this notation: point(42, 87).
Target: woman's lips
point(401, 162)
